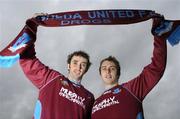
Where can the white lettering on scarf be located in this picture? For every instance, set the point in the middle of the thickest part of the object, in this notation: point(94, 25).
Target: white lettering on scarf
point(94, 17)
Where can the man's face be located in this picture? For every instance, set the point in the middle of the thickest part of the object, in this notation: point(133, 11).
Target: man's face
point(77, 67)
point(109, 72)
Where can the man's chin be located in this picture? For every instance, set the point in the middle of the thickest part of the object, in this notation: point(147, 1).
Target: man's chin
point(79, 77)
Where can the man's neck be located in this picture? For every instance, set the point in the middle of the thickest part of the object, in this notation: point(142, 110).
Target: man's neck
point(76, 81)
point(107, 87)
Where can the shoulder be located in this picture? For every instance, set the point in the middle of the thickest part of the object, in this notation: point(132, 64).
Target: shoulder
point(88, 93)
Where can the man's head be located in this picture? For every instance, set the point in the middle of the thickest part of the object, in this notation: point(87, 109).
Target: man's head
point(78, 64)
point(110, 70)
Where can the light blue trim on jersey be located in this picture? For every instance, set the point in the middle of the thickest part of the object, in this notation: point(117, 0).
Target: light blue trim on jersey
point(174, 38)
point(38, 109)
point(139, 116)
point(8, 61)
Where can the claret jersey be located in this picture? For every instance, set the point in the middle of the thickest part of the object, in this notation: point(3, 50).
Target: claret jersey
point(125, 101)
point(117, 103)
point(59, 98)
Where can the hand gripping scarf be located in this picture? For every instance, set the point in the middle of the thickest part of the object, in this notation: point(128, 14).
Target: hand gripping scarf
point(170, 29)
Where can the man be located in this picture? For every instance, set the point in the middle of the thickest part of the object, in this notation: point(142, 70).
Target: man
point(60, 97)
point(125, 101)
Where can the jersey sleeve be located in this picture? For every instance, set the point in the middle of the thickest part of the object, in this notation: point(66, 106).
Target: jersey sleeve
point(152, 73)
point(38, 73)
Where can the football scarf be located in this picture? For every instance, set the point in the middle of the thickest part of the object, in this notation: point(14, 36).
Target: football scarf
point(10, 54)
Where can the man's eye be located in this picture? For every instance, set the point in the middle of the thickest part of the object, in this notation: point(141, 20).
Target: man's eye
point(103, 68)
point(74, 62)
point(84, 65)
point(113, 68)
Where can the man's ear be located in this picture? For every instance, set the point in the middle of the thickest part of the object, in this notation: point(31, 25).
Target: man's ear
point(68, 66)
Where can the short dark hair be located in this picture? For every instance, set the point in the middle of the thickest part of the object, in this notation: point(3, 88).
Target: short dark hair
point(82, 54)
point(115, 61)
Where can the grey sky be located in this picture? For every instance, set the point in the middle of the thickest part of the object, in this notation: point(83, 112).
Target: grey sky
point(131, 44)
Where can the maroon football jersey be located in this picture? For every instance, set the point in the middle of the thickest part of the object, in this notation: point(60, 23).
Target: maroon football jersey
point(117, 103)
point(125, 101)
point(59, 98)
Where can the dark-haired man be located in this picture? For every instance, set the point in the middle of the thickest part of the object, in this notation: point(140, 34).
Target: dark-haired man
point(124, 101)
point(60, 97)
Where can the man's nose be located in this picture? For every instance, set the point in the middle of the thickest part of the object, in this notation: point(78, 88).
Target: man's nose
point(108, 71)
point(79, 66)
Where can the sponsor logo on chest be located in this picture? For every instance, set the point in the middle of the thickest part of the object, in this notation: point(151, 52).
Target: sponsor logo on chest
point(105, 103)
point(71, 96)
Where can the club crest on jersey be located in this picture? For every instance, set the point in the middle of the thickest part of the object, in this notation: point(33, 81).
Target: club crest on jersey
point(117, 90)
point(21, 42)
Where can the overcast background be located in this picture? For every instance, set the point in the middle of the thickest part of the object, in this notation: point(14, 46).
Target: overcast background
point(132, 45)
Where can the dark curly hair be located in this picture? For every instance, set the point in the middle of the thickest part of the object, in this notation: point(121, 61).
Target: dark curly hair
point(82, 54)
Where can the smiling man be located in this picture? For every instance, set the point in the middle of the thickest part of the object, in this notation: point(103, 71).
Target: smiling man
point(60, 97)
point(124, 101)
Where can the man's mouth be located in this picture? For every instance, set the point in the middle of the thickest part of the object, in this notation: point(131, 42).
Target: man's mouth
point(78, 72)
point(108, 77)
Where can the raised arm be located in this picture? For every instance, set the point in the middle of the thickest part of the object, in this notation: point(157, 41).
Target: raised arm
point(37, 72)
point(152, 73)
